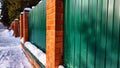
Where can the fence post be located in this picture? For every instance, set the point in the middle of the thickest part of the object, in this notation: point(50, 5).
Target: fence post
point(16, 34)
point(54, 33)
point(21, 25)
point(25, 24)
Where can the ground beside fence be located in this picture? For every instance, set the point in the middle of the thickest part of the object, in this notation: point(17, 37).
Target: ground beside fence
point(11, 54)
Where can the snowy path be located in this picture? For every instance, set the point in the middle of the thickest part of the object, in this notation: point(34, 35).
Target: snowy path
point(11, 54)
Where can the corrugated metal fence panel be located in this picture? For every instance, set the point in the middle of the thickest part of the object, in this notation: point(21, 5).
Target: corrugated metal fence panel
point(37, 25)
point(91, 38)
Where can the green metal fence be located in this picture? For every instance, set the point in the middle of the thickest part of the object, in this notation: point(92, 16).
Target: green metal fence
point(37, 25)
point(91, 38)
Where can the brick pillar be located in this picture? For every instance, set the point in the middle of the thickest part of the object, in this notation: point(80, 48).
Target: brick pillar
point(54, 34)
point(25, 24)
point(16, 28)
point(21, 25)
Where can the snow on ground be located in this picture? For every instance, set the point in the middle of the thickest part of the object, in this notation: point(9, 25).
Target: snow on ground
point(11, 54)
point(39, 54)
point(2, 26)
point(13, 57)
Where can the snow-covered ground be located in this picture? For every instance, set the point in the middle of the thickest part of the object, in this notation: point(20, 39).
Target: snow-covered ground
point(39, 54)
point(2, 26)
point(11, 54)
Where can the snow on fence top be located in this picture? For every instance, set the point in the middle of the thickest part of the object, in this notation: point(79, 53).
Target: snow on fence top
point(16, 19)
point(40, 2)
point(33, 7)
point(21, 13)
point(27, 9)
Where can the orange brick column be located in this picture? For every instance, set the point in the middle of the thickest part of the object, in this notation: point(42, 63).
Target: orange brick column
point(54, 34)
point(21, 25)
point(25, 25)
point(16, 28)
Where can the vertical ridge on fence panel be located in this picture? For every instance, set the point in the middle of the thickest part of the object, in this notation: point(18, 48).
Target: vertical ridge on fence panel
point(100, 44)
point(118, 64)
point(83, 31)
point(109, 33)
point(71, 38)
point(77, 34)
point(103, 30)
point(37, 25)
